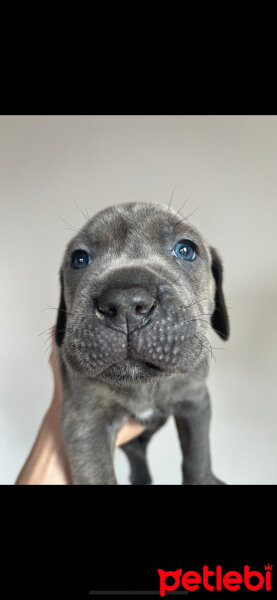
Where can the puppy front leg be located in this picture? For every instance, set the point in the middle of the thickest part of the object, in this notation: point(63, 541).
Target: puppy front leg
point(192, 419)
point(89, 442)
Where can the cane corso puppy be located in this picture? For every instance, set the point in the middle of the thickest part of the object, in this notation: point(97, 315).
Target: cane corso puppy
point(140, 291)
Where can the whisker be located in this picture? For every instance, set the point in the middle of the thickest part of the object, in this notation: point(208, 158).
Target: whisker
point(196, 302)
point(184, 203)
point(48, 329)
point(216, 348)
point(197, 319)
point(212, 347)
point(203, 345)
point(208, 323)
point(190, 214)
point(219, 333)
point(179, 220)
point(209, 314)
point(85, 217)
point(49, 337)
point(71, 226)
point(204, 315)
point(171, 197)
point(208, 341)
point(71, 229)
point(53, 308)
point(48, 348)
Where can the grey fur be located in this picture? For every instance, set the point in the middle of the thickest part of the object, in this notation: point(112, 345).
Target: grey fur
point(146, 366)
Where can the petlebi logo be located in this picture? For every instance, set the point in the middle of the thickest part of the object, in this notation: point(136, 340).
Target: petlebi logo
point(215, 580)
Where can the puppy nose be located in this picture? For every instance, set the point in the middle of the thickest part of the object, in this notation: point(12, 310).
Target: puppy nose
point(126, 306)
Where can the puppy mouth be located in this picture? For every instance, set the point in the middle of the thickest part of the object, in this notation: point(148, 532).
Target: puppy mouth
point(132, 369)
point(140, 364)
point(147, 365)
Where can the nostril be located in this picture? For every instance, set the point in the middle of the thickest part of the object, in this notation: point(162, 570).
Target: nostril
point(110, 312)
point(141, 310)
point(144, 310)
point(106, 309)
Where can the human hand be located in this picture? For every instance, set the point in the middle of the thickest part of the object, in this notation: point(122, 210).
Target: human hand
point(47, 463)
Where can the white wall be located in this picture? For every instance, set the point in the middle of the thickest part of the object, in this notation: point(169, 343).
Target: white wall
point(228, 165)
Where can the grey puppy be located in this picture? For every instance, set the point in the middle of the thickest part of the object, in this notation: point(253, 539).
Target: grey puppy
point(140, 290)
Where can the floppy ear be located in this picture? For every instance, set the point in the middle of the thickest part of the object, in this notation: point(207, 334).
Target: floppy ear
point(219, 318)
point(61, 320)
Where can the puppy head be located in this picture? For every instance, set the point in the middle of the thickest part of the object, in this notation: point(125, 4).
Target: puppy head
point(140, 289)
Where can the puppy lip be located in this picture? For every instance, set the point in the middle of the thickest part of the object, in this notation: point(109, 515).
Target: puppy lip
point(151, 365)
point(144, 363)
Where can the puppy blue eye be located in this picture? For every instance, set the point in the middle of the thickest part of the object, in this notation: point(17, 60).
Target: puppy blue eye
point(185, 249)
point(80, 259)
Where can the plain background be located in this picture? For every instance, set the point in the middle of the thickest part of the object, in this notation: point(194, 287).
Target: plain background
point(228, 166)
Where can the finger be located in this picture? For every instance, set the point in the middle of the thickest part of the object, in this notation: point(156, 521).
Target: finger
point(53, 354)
point(130, 430)
point(55, 370)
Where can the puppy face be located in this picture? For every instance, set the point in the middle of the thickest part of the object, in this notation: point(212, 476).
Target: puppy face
point(140, 290)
